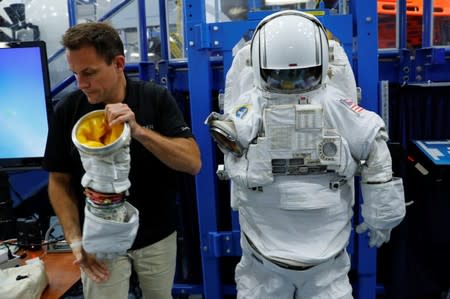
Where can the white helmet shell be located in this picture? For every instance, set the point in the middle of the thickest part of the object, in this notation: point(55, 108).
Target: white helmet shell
point(289, 53)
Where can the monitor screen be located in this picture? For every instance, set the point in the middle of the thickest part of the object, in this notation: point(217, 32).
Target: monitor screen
point(25, 104)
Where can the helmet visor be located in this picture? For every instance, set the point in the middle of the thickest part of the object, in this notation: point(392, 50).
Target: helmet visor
point(291, 80)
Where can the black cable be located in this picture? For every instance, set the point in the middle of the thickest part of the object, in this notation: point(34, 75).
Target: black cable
point(61, 238)
point(10, 255)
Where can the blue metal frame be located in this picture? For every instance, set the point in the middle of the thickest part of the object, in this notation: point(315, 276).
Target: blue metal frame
point(145, 66)
point(72, 14)
point(427, 20)
point(146, 69)
point(402, 24)
point(72, 11)
point(430, 64)
point(366, 32)
point(163, 29)
point(200, 87)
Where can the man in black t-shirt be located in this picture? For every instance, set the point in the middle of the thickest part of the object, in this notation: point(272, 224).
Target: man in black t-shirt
point(161, 145)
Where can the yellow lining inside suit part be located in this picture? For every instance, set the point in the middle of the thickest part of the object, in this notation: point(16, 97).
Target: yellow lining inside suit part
point(95, 132)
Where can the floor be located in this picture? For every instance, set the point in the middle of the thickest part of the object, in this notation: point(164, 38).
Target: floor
point(76, 292)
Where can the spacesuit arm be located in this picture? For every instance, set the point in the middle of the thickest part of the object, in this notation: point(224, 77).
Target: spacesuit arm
point(236, 129)
point(377, 168)
point(383, 195)
point(239, 78)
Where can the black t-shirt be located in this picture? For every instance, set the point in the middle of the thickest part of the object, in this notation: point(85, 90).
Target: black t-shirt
point(153, 184)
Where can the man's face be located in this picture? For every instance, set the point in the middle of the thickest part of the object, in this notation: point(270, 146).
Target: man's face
point(98, 80)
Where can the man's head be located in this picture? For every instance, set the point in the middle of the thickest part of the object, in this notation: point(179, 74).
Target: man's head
point(101, 36)
point(95, 55)
point(289, 53)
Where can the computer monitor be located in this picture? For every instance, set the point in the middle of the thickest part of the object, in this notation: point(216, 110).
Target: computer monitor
point(25, 104)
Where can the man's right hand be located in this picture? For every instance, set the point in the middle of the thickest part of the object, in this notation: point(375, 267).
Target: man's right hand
point(96, 270)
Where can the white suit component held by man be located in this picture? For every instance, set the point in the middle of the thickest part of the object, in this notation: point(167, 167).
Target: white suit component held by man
point(292, 146)
point(110, 223)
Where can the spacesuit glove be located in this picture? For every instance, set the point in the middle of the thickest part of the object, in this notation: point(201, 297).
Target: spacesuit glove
point(214, 116)
point(96, 270)
point(377, 236)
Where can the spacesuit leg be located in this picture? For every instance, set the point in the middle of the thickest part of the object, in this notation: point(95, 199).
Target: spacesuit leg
point(327, 280)
point(257, 277)
point(255, 280)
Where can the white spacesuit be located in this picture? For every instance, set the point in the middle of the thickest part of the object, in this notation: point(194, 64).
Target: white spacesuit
point(110, 222)
point(292, 145)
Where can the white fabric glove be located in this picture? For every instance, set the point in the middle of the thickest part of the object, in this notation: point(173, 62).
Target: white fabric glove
point(384, 204)
point(383, 209)
point(377, 236)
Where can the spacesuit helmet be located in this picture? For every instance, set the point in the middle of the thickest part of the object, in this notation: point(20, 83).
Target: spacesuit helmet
point(289, 53)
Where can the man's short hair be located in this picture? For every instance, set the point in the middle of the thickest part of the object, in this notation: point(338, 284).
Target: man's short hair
point(102, 36)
